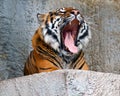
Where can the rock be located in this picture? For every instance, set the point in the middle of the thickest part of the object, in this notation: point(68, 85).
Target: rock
point(18, 22)
point(63, 83)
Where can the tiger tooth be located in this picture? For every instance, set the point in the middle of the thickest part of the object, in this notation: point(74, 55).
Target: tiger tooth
point(70, 23)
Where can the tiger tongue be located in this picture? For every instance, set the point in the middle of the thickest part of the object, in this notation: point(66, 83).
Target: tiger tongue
point(69, 43)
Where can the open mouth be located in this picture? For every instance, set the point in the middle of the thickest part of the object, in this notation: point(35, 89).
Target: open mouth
point(69, 36)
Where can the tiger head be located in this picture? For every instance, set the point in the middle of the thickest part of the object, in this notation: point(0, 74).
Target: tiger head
point(65, 30)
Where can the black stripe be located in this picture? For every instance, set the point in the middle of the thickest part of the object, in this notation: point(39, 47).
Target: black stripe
point(83, 29)
point(57, 20)
point(34, 58)
point(46, 22)
point(82, 66)
point(84, 34)
point(55, 30)
point(49, 31)
point(52, 34)
point(40, 50)
point(51, 19)
point(53, 25)
point(78, 59)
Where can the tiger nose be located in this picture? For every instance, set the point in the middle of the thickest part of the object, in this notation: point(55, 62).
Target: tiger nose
point(75, 12)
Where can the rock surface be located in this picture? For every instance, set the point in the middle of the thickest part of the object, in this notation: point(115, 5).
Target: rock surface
point(18, 23)
point(63, 83)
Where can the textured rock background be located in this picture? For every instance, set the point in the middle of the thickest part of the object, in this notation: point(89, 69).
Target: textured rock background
point(67, 83)
point(18, 22)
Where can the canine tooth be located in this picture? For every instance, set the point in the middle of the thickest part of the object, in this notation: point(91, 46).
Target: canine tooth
point(70, 23)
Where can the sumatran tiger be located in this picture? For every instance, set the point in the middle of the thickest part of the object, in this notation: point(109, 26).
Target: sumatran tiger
point(58, 42)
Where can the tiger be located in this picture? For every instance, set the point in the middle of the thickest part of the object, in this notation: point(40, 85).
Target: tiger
point(58, 42)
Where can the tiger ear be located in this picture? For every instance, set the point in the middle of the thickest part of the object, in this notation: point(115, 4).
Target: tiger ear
point(40, 17)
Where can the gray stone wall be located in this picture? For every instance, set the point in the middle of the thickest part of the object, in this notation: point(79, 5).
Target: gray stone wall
point(18, 23)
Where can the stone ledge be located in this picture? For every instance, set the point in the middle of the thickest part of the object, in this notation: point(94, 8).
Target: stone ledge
point(63, 83)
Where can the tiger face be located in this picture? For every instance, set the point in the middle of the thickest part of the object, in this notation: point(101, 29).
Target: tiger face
point(65, 30)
